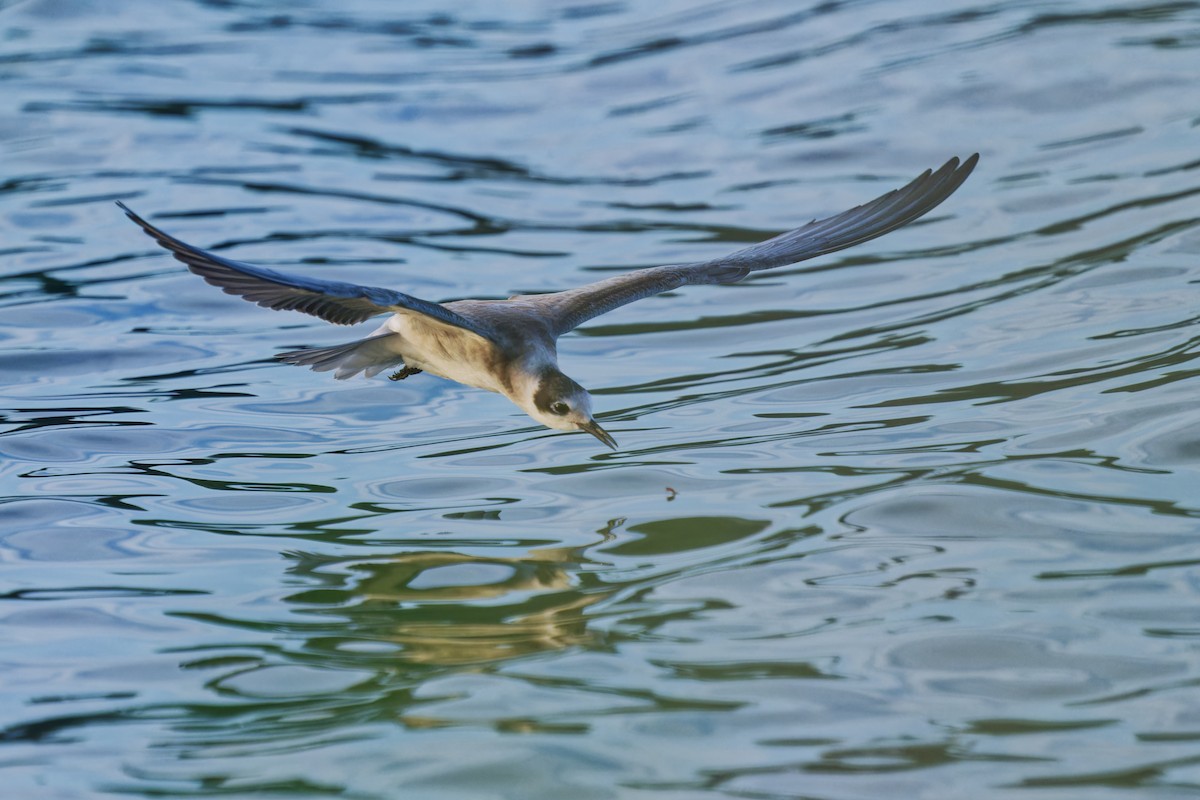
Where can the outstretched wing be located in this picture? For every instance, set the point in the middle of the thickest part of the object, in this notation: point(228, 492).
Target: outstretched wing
point(882, 215)
point(332, 301)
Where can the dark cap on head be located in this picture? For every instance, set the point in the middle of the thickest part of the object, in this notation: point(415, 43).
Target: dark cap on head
point(552, 387)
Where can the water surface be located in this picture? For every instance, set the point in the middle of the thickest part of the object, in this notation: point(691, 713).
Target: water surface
point(915, 520)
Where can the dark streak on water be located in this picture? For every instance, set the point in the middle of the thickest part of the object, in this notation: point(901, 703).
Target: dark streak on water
point(915, 520)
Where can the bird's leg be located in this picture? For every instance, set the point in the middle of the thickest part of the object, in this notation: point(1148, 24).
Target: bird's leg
point(400, 375)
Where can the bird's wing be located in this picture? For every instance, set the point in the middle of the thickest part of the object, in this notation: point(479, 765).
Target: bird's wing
point(886, 213)
point(339, 303)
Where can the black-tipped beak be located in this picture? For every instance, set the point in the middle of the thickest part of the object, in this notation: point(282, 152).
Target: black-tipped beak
point(595, 430)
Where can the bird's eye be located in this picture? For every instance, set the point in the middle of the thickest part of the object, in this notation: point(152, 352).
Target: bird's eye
point(560, 408)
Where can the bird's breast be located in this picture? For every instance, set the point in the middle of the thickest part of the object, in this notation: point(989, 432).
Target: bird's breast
point(450, 352)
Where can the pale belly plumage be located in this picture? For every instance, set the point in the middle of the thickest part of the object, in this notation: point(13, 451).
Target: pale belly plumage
point(448, 352)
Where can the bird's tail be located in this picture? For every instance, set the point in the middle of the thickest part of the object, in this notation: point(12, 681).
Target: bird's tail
point(369, 356)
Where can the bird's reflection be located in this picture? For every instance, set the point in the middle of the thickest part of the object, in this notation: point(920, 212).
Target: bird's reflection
point(518, 606)
point(450, 608)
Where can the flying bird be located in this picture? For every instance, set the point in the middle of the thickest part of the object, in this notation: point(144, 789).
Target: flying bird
point(509, 346)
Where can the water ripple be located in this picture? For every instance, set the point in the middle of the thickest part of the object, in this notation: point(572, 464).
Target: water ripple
point(914, 519)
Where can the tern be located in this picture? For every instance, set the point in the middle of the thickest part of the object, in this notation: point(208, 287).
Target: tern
point(509, 346)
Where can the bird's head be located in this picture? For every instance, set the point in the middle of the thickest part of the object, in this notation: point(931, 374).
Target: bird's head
point(558, 402)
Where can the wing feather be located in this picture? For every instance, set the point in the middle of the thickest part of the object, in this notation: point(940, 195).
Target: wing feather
point(332, 301)
point(882, 215)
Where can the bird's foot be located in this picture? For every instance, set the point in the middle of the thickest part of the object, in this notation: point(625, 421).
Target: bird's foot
point(400, 375)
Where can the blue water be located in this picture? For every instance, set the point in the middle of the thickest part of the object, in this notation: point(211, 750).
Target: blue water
point(920, 519)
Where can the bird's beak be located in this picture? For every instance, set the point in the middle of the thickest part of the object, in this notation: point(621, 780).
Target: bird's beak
point(595, 430)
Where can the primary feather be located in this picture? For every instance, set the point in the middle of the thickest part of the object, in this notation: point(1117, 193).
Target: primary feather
point(332, 301)
point(884, 214)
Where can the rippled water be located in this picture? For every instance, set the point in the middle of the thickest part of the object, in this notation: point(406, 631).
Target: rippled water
point(919, 519)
